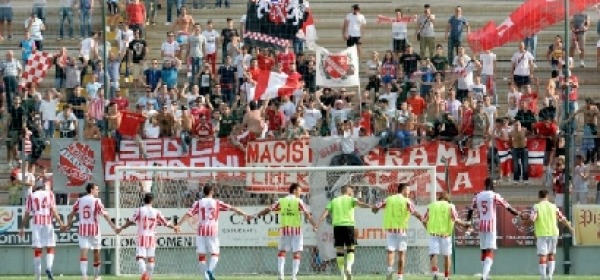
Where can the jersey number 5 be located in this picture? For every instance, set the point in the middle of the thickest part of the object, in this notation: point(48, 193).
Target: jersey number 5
point(484, 207)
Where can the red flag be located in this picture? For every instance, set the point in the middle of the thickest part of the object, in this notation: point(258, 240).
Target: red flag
point(506, 163)
point(130, 123)
point(535, 151)
point(36, 68)
point(531, 17)
point(310, 32)
point(270, 85)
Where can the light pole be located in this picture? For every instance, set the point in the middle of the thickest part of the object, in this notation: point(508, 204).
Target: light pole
point(569, 143)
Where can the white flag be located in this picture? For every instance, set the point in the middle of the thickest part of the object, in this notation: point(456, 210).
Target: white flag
point(337, 69)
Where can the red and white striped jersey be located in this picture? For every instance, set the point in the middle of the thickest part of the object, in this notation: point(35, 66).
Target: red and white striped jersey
point(147, 219)
point(89, 208)
point(286, 230)
point(207, 211)
point(39, 205)
point(485, 202)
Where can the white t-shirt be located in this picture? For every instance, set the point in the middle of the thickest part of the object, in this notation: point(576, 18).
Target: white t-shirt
point(522, 63)
point(48, 109)
point(124, 37)
point(66, 124)
point(465, 76)
point(487, 61)
point(453, 108)
point(288, 109)
point(399, 30)
point(86, 47)
point(211, 40)
point(336, 114)
point(311, 117)
point(516, 95)
point(478, 91)
point(355, 23)
point(151, 131)
point(169, 49)
point(36, 28)
point(491, 111)
point(465, 57)
point(240, 61)
point(391, 97)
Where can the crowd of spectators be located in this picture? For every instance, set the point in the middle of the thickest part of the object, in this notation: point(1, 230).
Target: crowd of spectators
point(198, 86)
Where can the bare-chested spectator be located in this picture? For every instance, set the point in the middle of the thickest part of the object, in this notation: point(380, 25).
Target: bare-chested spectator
point(166, 121)
point(187, 123)
point(182, 28)
point(91, 131)
point(591, 114)
point(113, 118)
point(253, 124)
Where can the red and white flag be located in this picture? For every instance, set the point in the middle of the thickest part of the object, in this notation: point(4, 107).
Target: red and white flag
point(271, 85)
point(130, 123)
point(309, 30)
point(535, 154)
point(36, 68)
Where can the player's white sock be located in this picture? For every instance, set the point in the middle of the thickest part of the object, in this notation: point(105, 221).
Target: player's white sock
point(96, 269)
point(390, 269)
point(141, 265)
point(400, 277)
point(37, 265)
point(83, 266)
point(202, 265)
point(281, 263)
point(543, 270)
point(551, 267)
point(487, 266)
point(49, 261)
point(212, 264)
point(295, 266)
point(150, 268)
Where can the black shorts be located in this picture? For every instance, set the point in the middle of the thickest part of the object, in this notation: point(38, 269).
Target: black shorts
point(343, 236)
point(352, 41)
point(521, 80)
point(399, 45)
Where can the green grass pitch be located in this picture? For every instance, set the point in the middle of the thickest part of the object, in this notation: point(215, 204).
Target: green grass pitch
point(302, 277)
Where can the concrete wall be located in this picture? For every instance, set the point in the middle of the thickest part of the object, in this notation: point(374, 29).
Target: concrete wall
point(18, 260)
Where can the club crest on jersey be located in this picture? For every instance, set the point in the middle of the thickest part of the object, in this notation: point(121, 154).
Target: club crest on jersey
point(337, 66)
point(76, 162)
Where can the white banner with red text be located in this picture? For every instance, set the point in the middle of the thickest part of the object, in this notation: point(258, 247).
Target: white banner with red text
point(74, 164)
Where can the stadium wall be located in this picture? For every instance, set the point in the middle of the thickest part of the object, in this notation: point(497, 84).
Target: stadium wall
point(18, 260)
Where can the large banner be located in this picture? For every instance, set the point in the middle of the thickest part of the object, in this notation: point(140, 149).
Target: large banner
point(167, 152)
point(74, 164)
point(275, 154)
point(467, 172)
point(339, 69)
point(535, 157)
point(586, 220)
point(511, 231)
point(528, 19)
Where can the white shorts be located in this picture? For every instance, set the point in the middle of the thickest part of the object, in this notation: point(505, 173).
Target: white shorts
point(487, 240)
point(295, 243)
point(559, 200)
point(207, 245)
point(598, 44)
point(396, 242)
point(546, 245)
point(90, 242)
point(43, 236)
point(145, 252)
point(440, 246)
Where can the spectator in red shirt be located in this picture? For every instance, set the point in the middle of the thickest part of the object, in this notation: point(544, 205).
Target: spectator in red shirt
point(275, 119)
point(204, 129)
point(286, 59)
point(265, 58)
point(548, 129)
point(531, 97)
point(201, 108)
point(254, 70)
point(122, 102)
point(136, 13)
point(416, 102)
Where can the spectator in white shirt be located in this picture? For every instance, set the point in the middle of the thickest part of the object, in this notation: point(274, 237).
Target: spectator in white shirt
point(353, 25)
point(287, 107)
point(522, 65)
point(35, 26)
point(48, 106)
point(89, 48)
point(464, 72)
point(170, 47)
point(312, 117)
point(151, 129)
point(488, 68)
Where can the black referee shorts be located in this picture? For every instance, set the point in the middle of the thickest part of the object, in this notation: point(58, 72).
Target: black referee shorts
point(343, 236)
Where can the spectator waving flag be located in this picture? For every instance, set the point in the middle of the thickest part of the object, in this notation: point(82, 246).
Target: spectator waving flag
point(36, 68)
point(535, 155)
point(275, 23)
point(270, 85)
point(130, 123)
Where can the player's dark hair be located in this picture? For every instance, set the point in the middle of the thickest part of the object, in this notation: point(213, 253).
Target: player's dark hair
point(148, 198)
point(444, 196)
point(294, 187)
point(208, 189)
point(253, 105)
point(489, 184)
point(579, 157)
point(401, 187)
point(543, 194)
point(344, 188)
point(89, 187)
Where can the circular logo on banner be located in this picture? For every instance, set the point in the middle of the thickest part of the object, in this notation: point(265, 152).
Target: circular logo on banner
point(76, 161)
point(7, 219)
